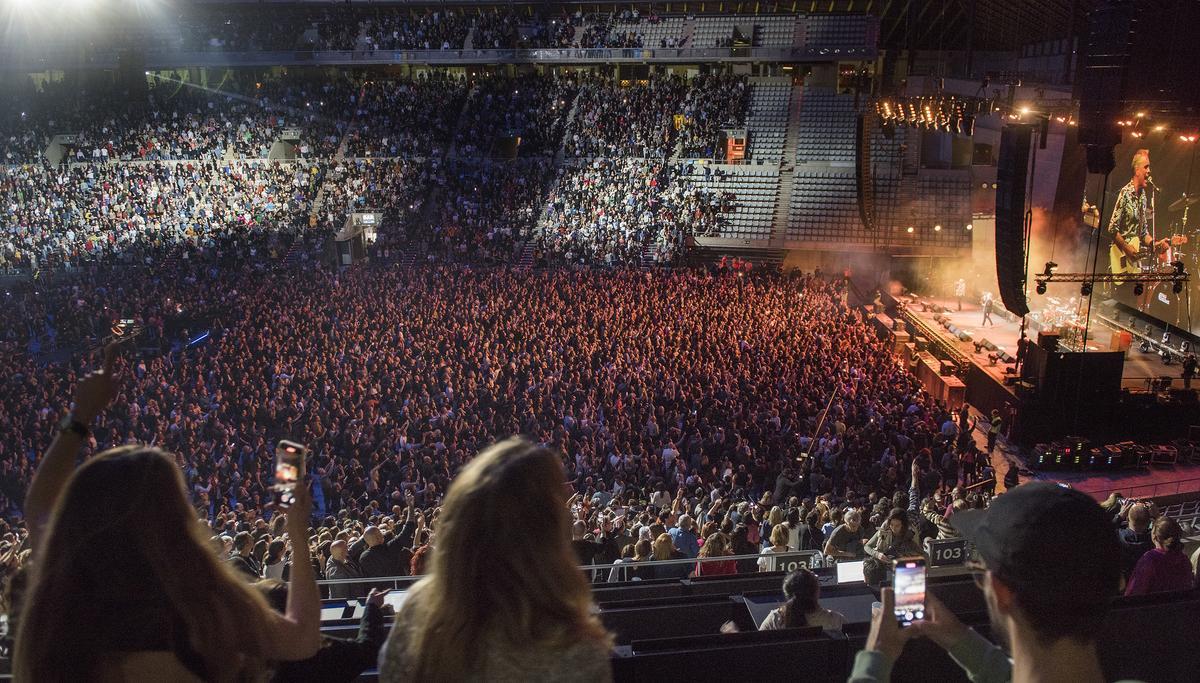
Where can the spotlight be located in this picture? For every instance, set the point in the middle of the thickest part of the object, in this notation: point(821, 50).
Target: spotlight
point(970, 227)
point(1041, 287)
point(1177, 287)
point(937, 228)
point(909, 230)
point(1138, 289)
point(1178, 266)
point(1085, 289)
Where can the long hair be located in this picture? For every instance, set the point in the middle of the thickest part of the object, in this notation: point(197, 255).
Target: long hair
point(803, 591)
point(123, 534)
point(663, 547)
point(503, 567)
point(715, 545)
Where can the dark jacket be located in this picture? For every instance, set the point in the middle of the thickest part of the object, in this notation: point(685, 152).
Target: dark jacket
point(340, 659)
point(246, 566)
point(383, 560)
point(1133, 546)
point(343, 570)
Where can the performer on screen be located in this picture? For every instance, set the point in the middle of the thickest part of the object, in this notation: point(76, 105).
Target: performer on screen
point(1129, 225)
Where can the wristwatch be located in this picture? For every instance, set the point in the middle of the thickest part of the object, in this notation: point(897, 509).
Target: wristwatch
point(70, 424)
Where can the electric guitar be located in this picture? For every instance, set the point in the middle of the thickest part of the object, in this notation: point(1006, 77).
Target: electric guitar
point(1120, 262)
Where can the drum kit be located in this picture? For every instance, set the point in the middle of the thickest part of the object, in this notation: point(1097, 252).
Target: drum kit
point(1179, 236)
point(1065, 317)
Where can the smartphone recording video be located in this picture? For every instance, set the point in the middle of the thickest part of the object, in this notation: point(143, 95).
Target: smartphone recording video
point(289, 467)
point(909, 585)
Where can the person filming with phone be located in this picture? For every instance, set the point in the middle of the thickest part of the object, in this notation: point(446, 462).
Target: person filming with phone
point(1050, 566)
point(170, 609)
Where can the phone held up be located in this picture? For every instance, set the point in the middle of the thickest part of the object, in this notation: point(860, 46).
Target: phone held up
point(909, 585)
point(289, 467)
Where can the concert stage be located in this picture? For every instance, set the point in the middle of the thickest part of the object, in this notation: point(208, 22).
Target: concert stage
point(989, 383)
point(1139, 368)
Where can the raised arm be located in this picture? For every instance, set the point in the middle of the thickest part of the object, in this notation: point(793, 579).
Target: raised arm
point(92, 395)
point(296, 634)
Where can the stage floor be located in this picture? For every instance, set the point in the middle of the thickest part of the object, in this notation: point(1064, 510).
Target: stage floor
point(1139, 367)
point(1156, 482)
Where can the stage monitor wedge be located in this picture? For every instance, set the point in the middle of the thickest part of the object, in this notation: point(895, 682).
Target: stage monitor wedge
point(1012, 178)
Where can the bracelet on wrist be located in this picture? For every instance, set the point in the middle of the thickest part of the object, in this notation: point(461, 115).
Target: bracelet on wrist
point(72, 425)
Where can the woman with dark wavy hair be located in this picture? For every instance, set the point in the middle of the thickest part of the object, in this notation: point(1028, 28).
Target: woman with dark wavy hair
point(802, 589)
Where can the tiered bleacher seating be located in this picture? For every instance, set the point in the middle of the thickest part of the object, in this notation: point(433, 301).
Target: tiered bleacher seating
point(827, 123)
point(1186, 513)
point(657, 34)
point(760, 31)
point(824, 207)
point(712, 31)
point(774, 31)
point(754, 194)
point(768, 119)
point(838, 33)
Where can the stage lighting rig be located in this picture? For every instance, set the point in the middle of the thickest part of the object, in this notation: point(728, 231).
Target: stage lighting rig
point(1177, 277)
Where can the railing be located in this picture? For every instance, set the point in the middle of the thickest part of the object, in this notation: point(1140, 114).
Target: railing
point(1170, 488)
point(164, 59)
point(788, 561)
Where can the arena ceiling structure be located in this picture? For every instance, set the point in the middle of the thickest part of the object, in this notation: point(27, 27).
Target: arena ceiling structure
point(978, 24)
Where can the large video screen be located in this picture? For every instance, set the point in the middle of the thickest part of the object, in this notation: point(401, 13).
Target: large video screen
point(1172, 221)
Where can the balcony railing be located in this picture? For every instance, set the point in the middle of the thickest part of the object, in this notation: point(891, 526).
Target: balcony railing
point(165, 59)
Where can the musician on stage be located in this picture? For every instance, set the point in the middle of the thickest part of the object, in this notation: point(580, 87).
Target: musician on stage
point(1129, 225)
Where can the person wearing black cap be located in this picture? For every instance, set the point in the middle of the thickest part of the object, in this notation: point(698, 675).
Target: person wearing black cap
point(1051, 565)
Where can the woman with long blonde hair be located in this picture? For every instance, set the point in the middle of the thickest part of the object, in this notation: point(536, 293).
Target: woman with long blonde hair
point(125, 585)
point(504, 599)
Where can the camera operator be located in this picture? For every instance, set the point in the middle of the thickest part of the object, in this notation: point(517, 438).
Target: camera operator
point(1051, 564)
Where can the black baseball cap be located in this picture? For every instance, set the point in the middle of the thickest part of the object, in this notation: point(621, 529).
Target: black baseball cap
point(1048, 539)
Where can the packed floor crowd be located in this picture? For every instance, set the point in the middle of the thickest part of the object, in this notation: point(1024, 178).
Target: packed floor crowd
point(326, 358)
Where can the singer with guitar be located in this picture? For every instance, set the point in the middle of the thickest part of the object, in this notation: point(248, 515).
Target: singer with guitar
point(1131, 225)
